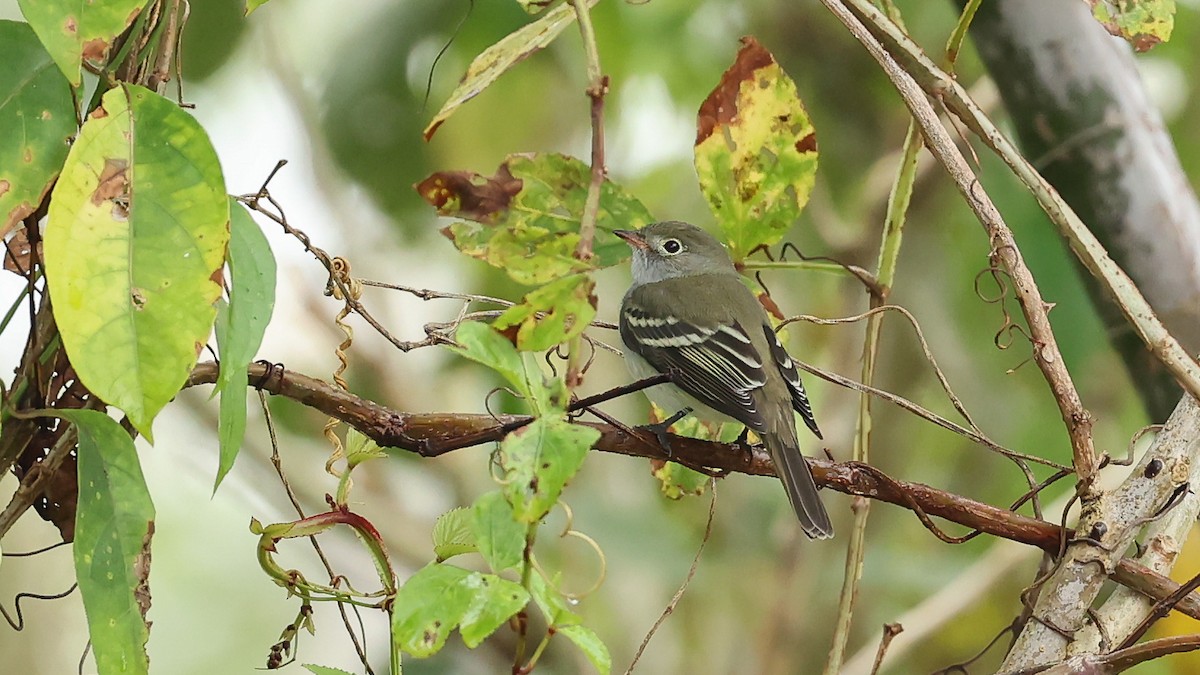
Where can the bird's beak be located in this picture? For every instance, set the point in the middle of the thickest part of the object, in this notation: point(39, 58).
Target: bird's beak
point(633, 238)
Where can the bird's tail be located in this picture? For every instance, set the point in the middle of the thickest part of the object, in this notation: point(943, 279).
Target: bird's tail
point(798, 482)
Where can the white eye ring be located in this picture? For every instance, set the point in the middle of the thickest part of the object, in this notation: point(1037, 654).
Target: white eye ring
point(672, 247)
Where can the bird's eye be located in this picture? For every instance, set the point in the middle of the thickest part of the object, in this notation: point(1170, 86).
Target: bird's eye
point(672, 246)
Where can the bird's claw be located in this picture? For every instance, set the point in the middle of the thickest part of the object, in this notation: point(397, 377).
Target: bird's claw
point(659, 429)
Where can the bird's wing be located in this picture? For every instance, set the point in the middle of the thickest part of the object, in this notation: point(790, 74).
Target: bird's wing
point(715, 364)
point(787, 368)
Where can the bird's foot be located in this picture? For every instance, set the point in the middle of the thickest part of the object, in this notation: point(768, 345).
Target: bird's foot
point(659, 429)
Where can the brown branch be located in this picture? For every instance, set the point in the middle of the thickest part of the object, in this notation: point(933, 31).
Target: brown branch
point(1120, 660)
point(1003, 246)
point(424, 433)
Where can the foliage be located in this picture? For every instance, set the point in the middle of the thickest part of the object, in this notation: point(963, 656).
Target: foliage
point(147, 257)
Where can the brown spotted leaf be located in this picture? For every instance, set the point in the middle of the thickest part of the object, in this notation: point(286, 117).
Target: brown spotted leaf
point(1143, 23)
point(756, 151)
point(525, 219)
point(75, 31)
point(36, 100)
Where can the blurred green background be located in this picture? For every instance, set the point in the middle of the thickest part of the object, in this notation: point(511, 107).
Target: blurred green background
point(343, 90)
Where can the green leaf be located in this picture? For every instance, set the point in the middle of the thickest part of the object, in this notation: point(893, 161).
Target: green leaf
point(360, 449)
point(497, 59)
point(480, 343)
point(592, 646)
point(75, 31)
point(525, 219)
point(37, 118)
point(439, 597)
point(538, 460)
point(1143, 23)
point(677, 480)
point(566, 307)
point(453, 534)
point(113, 525)
point(552, 604)
point(501, 538)
point(325, 670)
point(495, 601)
point(252, 5)
point(756, 151)
point(428, 606)
point(137, 231)
point(240, 327)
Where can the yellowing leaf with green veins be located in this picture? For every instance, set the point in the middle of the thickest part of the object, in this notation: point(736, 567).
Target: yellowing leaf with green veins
point(75, 31)
point(1143, 23)
point(552, 314)
point(36, 99)
point(756, 151)
point(525, 219)
point(500, 57)
point(137, 233)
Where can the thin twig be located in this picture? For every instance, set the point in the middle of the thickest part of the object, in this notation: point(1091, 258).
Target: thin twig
point(890, 631)
point(277, 462)
point(670, 608)
point(1003, 246)
point(597, 88)
point(1082, 241)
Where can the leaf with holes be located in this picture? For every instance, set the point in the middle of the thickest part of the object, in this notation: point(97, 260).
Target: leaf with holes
point(756, 151)
point(35, 99)
point(113, 526)
point(552, 314)
point(538, 460)
point(525, 219)
point(137, 232)
point(74, 32)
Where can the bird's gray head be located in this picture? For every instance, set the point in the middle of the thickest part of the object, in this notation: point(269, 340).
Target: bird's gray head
point(674, 249)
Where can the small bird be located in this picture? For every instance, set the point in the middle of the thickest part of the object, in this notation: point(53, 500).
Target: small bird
point(689, 314)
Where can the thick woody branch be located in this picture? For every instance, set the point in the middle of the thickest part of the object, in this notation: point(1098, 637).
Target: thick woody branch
point(427, 433)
